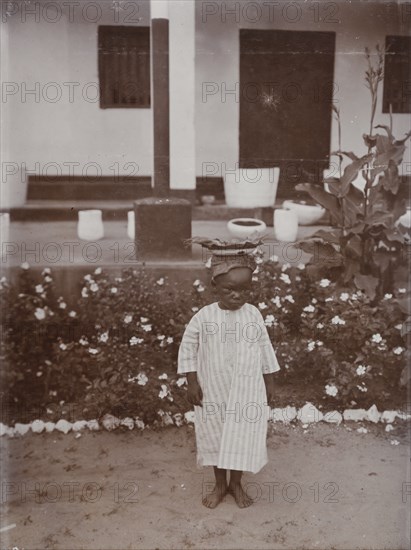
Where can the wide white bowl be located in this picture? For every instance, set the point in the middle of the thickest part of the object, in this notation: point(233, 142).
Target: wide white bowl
point(240, 231)
point(308, 214)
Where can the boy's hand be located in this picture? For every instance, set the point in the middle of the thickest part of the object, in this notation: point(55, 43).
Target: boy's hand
point(194, 391)
point(270, 387)
point(270, 396)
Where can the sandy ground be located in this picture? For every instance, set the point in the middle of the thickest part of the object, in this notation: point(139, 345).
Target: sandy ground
point(325, 487)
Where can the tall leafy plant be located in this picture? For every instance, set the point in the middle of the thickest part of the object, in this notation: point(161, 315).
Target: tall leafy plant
point(364, 246)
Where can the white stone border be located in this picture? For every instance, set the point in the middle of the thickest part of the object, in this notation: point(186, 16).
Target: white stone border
point(308, 414)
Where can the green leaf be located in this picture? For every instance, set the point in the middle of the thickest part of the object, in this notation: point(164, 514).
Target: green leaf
point(387, 129)
point(382, 160)
point(325, 199)
point(367, 283)
point(330, 236)
point(351, 172)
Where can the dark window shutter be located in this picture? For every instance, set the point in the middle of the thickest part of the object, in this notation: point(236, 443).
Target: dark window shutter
point(286, 94)
point(397, 74)
point(124, 66)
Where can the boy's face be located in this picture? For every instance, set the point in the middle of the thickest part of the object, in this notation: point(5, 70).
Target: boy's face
point(233, 288)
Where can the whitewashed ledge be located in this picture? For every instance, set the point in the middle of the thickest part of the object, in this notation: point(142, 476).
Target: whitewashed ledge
point(308, 414)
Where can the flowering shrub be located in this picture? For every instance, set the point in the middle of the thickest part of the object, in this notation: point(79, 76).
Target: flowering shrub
point(115, 351)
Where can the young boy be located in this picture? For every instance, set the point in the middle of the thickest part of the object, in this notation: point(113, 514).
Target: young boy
point(230, 363)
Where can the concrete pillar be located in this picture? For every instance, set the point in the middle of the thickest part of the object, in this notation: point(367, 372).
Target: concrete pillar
point(163, 223)
point(160, 96)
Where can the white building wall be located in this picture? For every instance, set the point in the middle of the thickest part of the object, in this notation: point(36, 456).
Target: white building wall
point(44, 136)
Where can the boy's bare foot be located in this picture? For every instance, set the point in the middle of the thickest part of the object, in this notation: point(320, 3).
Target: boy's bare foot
point(213, 499)
point(240, 496)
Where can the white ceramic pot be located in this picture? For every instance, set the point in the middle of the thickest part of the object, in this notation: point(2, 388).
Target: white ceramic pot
point(131, 225)
point(241, 228)
point(90, 225)
point(285, 225)
point(251, 187)
point(307, 214)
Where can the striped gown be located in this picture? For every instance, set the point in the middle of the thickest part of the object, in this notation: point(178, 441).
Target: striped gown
point(230, 350)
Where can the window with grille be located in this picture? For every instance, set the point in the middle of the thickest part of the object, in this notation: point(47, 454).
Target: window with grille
point(124, 67)
point(397, 74)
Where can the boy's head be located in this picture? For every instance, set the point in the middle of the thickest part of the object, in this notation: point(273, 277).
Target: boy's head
point(233, 287)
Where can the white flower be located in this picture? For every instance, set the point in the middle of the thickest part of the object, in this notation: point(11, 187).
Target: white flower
point(274, 258)
point(63, 305)
point(361, 370)
point(88, 278)
point(84, 292)
point(319, 343)
point(314, 300)
point(200, 288)
point(197, 282)
point(324, 283)
point(320, 325)
point(402, 290)
point(134, 341)
point(181, 381)
point(285, 266)
point(25, 265)
point(103, 337)
point(309, 309)
point(311, 345)
point(336, 320)
point(285, 278)
point(301, 266)
point(113, 290)
point(163, 376)
point(258, 260)
point(387, 296)
point(39, 373)
point(146, 328)
point(276, 301)
point(208, 263)
point(398, 350)
point(72, 313)
point(344, 296)
point(262, 305)
point(160, 337)
point(170, 340)
point(48, 279)
point(97, 271)
point(254, 278)
point(269, 320)
point(194, 309)
point(399, 326)
point(160, 282)
point(40, 314)
point(94, 287)
point(46, 271)
point(330, 299)
point(331, 390)
point(376, 338)
point(163, 392)
point(63, 346)
point(289, 298)
point(141, 379)
point(143, 319)
point(394, 442)
point(83, 341)
point(362, 388)
point(39, 289)
point(354, 297)
point(93, 351)
point(128, 319)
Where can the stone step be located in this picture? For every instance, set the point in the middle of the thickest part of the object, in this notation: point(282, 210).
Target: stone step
point(57, 210)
